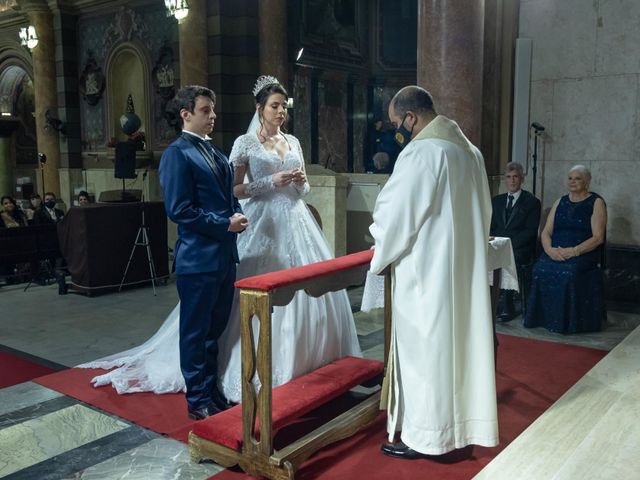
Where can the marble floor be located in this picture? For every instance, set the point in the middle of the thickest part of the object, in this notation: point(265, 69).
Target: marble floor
point(46, 435)
point(591, 432)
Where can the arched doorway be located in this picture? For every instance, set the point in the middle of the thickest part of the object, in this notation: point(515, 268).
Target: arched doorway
point(17, 130)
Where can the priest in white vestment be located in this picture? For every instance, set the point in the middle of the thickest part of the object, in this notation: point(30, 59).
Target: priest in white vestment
point(431, 228)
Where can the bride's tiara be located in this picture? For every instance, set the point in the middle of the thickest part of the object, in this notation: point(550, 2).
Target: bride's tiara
point(262, 82)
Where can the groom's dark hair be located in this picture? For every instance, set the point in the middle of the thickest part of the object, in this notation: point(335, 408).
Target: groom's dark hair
point(186, 98)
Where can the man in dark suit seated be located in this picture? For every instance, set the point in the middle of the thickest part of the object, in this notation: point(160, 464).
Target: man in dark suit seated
point(47, 212)
point(516, 214)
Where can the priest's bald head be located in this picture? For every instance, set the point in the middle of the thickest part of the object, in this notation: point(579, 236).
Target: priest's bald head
point(410, 110)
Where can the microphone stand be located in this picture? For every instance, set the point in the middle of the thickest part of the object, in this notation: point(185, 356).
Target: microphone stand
point(534, 158)
point(537, 131)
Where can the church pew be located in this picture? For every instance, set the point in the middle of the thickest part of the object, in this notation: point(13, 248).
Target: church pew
point(31, 244)
point(244, 434)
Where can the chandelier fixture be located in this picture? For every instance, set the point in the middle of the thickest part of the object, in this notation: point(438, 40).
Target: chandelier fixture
point(28, 37)
point(177, 8)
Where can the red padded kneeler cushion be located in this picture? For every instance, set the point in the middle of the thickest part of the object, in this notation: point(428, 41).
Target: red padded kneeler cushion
point(270, 281)
point(292, 400)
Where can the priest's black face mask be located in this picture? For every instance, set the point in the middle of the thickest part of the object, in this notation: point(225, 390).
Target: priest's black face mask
point(403, 135)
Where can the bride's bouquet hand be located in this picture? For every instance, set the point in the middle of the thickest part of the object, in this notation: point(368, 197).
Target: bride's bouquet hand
point(282, 179)
point(299, 177)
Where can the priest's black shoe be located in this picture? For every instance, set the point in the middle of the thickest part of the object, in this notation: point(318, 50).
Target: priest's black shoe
point(506, 316)
point(400, 450)
point(198, 413)
point(218, 400)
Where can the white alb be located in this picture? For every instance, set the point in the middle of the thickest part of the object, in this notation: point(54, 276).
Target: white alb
point(431, 226)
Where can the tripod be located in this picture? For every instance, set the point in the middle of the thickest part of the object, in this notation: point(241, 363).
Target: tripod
point(142, 240)
point(43, 272)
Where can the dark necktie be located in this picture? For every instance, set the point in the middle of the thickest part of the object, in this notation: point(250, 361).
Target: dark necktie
point(216, 159)
point(509, 208)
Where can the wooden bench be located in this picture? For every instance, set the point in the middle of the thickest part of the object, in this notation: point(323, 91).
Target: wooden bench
point(244, 434)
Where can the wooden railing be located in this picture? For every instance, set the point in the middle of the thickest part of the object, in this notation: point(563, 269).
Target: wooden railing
point(255, 453)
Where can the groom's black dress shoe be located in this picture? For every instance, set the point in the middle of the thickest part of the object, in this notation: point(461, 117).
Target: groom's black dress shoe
point(204, 412)
point(198, 413)
point(219, 401)
point(400, 450)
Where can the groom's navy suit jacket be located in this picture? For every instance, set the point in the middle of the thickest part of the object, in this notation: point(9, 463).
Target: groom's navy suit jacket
point(521, 227)
point(197, 183)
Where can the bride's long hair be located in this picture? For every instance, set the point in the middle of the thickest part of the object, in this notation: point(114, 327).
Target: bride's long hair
point(261, 99)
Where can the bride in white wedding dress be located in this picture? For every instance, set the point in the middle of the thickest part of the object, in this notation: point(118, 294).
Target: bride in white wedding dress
point(308, 332)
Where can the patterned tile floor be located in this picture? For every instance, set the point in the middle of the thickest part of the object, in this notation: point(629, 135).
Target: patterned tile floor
point(46, 435)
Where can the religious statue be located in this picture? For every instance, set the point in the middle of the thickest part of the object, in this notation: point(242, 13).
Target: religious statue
point(91, 81)
point(163, 76)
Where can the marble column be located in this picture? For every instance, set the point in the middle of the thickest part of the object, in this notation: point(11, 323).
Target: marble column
point(273, 39)
point(193, 45)
point(450, 59)
point(45, 89)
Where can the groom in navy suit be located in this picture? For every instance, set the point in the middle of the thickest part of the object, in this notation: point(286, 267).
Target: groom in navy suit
point(197, 183)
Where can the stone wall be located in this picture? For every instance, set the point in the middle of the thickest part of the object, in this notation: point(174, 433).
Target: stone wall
point(586, 92)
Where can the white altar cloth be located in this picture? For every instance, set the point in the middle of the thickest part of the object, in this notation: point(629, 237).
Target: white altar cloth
point(500, 255)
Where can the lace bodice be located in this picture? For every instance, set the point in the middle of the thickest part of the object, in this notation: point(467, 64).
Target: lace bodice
point(248, 151)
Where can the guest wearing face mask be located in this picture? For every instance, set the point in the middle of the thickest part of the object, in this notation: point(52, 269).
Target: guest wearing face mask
point(48, 213)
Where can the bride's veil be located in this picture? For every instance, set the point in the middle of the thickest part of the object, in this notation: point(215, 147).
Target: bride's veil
point(254, 124)
point(251, 129)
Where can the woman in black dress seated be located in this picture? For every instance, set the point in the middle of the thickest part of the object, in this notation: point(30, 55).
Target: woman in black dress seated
point(567, 289)
point(11, 216)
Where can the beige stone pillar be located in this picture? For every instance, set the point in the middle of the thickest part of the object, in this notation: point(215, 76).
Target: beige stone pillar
point(45, 89)
point(450, 59)
point(328, 196)
point(193, 45)
point(273, 40)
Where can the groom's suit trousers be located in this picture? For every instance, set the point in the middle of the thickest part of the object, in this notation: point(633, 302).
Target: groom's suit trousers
point(205, 305)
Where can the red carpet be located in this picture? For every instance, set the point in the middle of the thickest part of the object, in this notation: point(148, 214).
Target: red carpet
point(165, 414)
point(16, 370)
point(531, 376)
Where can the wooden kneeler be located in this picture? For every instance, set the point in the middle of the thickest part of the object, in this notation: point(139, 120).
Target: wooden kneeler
point(244, 434)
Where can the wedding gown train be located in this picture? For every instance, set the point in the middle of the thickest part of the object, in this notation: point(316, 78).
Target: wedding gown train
point(306, 334)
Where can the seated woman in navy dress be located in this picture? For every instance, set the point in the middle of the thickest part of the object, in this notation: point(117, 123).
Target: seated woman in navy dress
point(567, 293)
